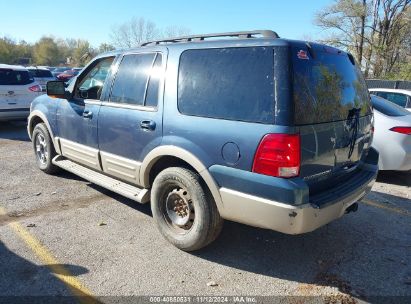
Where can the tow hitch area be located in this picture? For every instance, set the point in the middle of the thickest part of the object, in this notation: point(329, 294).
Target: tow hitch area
point(352, 208)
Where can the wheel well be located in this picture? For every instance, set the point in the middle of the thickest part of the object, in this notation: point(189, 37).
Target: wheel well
point(166, 162)
point(35, 121)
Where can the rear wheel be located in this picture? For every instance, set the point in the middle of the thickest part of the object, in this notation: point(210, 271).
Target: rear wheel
point(43, 149)
point(183, 209)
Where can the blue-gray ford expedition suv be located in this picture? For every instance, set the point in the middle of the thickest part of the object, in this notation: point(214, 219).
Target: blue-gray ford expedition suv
point(244, 126)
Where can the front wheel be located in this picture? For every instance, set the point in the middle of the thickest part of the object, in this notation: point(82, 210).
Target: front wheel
point(184, 210)
point(43, 149)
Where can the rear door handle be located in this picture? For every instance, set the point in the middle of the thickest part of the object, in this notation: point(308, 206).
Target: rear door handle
point(148, 125)
point(87, 114)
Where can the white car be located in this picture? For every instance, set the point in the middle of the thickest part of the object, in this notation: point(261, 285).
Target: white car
point(41, 76)
point(397, 96)
point(17, 90)
point(392, 135)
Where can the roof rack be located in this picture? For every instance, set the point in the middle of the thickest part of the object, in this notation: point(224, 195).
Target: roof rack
point(241, 35)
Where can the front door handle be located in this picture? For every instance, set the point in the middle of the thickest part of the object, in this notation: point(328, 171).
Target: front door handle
point(148, 125)
point(87, 114)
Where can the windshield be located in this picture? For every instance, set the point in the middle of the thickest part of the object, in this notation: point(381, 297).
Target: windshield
point(327, 86)
point(387, 107)
point(11, 77)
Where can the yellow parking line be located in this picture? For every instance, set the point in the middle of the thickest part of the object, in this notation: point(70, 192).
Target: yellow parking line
point(76, 287)
point(392, 209)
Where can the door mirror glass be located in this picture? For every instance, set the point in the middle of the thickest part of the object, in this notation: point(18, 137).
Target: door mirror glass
point(56, 89)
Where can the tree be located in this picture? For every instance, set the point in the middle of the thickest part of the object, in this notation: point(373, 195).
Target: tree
point(134, 32)
point(346, 19)
point(393, 35)
point(49, 51)
point(138, 30)
point(46, 52)
point(105, 47)
point(7, 50)
point(377, 32)
point(83, 52)
point(175, 31)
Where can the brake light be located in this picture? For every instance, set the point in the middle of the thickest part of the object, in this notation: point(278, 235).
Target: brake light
point(402, 130)
point(278, 155)
point(35, 88)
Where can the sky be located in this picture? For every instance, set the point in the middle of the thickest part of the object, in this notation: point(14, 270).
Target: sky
point(94, 20)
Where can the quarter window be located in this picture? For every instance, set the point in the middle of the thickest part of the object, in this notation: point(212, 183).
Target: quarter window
point(228, 83)
point(137, 80)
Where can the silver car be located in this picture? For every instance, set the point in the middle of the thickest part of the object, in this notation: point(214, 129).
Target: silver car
point(392, 135)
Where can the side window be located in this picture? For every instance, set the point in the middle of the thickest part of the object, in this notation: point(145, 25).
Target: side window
point(381, 94)
point(399, 99)
point(227, 83)
point(137, 80)
point(91, 84)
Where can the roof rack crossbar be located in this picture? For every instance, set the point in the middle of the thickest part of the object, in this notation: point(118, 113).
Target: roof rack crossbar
point(242, 35)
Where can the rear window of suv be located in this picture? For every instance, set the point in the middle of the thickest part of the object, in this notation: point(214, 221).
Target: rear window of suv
point(326, 86)
point(227, 83)
point(41, 73)
point(12, 77)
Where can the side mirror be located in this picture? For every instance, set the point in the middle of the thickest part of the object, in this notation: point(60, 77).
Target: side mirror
point(57, 89)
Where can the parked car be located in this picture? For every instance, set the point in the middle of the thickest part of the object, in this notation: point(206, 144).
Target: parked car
point(251, 128)
point(67, 75)
point(59, 70)
point(392, 136)
point(42, 76)
point(397, 96)
point(17, 90)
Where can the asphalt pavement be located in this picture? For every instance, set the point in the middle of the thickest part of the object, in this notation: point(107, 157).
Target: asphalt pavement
point(61, 235)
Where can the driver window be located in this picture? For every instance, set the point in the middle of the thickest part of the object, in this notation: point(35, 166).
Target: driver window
point(91, 85)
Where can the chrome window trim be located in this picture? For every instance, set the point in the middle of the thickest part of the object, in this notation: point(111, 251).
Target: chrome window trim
point(128, 106)
point(92, 102)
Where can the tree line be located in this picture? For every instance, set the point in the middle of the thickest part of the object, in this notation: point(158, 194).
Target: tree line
point(376, 32)
point(49, 51)
point(52, 51)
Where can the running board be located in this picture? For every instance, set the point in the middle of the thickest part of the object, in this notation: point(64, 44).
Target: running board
point(134, 193)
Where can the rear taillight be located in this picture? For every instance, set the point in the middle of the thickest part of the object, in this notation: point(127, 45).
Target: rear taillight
point(402, 130)
point(278, 155)
point(35, 88)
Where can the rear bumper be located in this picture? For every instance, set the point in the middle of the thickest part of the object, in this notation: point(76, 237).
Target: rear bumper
point(11, 114)
point(314, 212)
point(260, 212)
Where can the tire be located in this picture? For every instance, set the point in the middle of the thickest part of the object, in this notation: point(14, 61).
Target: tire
point(44, 149)
point(184, 210)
